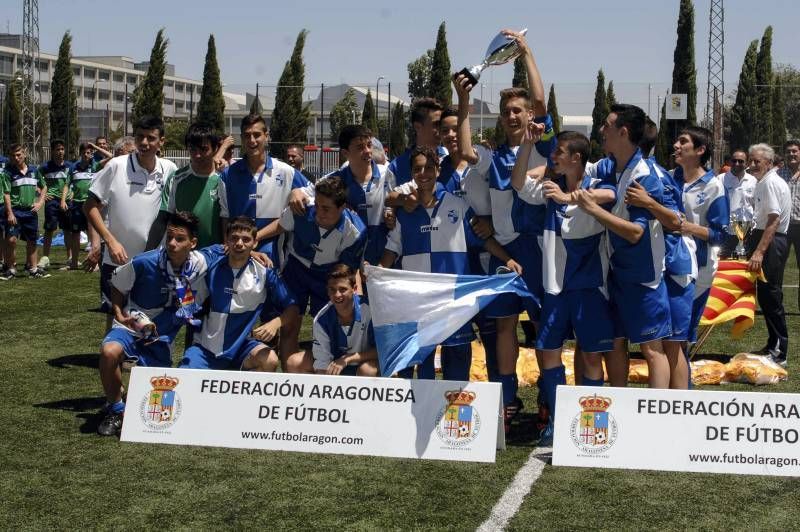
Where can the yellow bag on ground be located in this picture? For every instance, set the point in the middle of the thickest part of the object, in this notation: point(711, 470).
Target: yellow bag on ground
point(638, 372)
point(706, 372)
point(753, 369)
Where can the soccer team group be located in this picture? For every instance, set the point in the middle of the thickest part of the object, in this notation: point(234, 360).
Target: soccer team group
point(612, 252)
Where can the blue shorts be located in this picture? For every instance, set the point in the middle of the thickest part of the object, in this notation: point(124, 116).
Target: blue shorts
point(680, 308)
point(698, 306)
point(197, 357)
point(642, 313)
point(306, 286)
point(27, 226)
point(77, 219)
point(155, 355)
point(54, 217)
point(525, 249)
point(585, 312)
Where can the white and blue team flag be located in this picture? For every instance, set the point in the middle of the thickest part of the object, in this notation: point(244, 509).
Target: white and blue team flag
point(413, 312)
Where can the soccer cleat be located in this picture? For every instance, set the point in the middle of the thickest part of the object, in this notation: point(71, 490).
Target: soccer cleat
point(546, 437)
point(8, 274)
point(44, 263)
point(38, 273)
point(778, 359)
point(111, 424)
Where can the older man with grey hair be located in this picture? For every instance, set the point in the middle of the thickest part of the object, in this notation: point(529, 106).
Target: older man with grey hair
point(768, 246)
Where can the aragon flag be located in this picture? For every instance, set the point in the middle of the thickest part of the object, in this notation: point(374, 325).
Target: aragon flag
point(732, 297)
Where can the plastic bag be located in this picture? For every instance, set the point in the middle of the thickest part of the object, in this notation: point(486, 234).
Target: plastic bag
point(705, 372)
point(753, 369)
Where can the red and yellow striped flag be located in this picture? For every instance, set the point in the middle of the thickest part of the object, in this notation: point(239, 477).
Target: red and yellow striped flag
point(732, 297)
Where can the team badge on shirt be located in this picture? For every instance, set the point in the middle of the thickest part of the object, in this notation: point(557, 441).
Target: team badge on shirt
point(452, 215)
point(594, 430)
point(701, 198)
point(458, 423)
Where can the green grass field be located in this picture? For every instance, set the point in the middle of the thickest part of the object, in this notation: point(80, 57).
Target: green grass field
point(57, 473)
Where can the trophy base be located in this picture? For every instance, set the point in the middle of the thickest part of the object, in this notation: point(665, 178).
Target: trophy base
point(467, 74)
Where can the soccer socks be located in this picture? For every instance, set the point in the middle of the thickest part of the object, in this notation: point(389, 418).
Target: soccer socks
point(489, 340)
point(456, 361)
point(550, 380)
point(509, 383)
point(592, 382)
point(116, 408)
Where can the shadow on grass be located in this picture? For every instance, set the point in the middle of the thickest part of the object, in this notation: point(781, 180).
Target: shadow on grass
point(84, 360)
point(88, 409)
point(524, 432)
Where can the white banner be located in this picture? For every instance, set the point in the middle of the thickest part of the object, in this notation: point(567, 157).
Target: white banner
point(442, 420)
point(674, 430)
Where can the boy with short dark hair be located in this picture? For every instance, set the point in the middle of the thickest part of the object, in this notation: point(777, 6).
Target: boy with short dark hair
point(425, 116)
point(24, 192)
point(79, 181)
point(55, 173)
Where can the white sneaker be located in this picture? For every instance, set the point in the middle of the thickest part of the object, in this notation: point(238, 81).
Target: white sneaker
point(44, 263)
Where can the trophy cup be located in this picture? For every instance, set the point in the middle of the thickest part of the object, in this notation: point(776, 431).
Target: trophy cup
point(501, 50)
point(741, 228)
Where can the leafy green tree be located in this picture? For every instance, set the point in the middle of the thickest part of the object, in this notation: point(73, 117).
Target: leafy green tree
point(419, 76)
point(787, 79)
point(441, 87)
point(63, 104)
point(397, 136)
point(743, 112)
point(368, 117)
point(344, 112)
point(611, 98)
point(291, 117)
point(599, 114)
point(763, 118)
point(12, 133)
point(211, 108)
point(520, 78)
point(148, 98)
point(175, 131)
point(663, 141)
point(552, 109)
point(684, 75)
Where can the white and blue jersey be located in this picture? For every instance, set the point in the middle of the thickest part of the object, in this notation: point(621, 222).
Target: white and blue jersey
point(149, 281)
point(573, 243)
point(641, 262)
point(368, 201)
point(236, 297)
point(332, 340)
point(261, 197)
point(400, 166)
point(706, 204)
point(510, 215)
point(471, 184)
point(437, 239)
point(319, 249)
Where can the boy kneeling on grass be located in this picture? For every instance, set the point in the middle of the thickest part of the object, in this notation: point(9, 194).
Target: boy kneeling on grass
point(344, 342)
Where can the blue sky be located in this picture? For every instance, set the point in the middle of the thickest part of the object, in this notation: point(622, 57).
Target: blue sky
point(632, 41)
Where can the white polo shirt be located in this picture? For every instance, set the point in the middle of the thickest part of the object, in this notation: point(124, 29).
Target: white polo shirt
point(132, 196)
point(772, 196)
point(740, 195)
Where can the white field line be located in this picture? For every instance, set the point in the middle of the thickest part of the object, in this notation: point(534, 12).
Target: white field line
point(515, 493)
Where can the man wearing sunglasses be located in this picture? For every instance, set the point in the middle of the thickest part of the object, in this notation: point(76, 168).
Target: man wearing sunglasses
point(739, 187)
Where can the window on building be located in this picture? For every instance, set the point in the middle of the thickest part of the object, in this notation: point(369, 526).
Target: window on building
point(119, 78)
point(6, 64)
point(179, 87)
point(44, 87)
point(89, 73)
point(179, 106)
point(131, 79)
point(44, 66)
point(168, 101)
point(103, 95)
point(119, 97)
point(76, 71)
point(104, 75)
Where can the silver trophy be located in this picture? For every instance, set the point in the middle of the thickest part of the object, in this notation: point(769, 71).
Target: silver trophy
point(742, 226)
point(501, 50)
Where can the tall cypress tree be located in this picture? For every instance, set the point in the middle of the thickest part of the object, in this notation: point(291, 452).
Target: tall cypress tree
point(397, 136)
point(599, 114)
point(763, 122)
point(552, 109)
point(663, 141)
point(290, 117)
point(778, 114)
point(611, 98)
point(441, 87)
point(148, 98)
point(63, 104)
point(211, 108)
point(12, 113)
point(743, 112)
point(520, 78)
point(684, 75)
point(368, 117)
